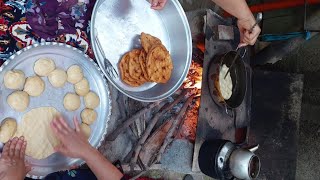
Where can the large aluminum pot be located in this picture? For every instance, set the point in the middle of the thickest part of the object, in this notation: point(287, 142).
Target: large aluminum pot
point(118, 24)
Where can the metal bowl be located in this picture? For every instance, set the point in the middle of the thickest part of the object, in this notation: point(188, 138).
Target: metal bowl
point(118, 24)
point(64, 56)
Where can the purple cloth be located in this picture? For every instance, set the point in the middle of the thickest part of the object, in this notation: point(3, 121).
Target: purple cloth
point(51, 18)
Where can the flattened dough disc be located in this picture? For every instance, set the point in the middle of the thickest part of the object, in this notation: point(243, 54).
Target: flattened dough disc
point(35, 127)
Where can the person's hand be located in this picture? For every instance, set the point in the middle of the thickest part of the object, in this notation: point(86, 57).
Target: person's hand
point(158, 4)
point(12, 160)
point(73, 141)
point(247, 37)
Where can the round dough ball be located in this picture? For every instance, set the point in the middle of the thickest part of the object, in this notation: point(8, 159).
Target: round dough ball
point(91, 100)
point(7, 129)
point(34, 86)
point(58, 78)
point(18, 100)
point(75, 74)
point(71, 102)
point(82, 88)
point(44, 66)
point(88, 116)
point(85, 129)
point(14, 79)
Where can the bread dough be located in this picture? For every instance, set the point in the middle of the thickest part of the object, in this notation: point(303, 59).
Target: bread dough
point(88, 116)
point(58, 78)
point(7, 129)
point(44, 66)
point(71, 102)
point(225, 83)
point(75, 74)
point(86, 129)
point(91, 100)
point(35, 127)
point(34, 86)
point(82, 88)
point(18, 100)
point(14, 79)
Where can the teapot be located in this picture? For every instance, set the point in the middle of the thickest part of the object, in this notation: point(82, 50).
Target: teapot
point(222, 159)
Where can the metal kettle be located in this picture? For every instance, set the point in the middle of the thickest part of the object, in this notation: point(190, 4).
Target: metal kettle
point(221, 159)
point(244, 164)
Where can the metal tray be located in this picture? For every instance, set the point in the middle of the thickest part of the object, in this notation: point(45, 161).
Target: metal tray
point(64, 56)
point(118, 25)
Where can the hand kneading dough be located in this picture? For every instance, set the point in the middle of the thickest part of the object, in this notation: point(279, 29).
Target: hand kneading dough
point(75, 74)
point(82, 88)
point(34, 86)
point(44, 66)
point(8, 129)
point(58, 78)
point(35, 127)
point(14, 79)
point(18, 100)
point(91, 100)
point(86, 129)
point(71, 102)
point(88, 116)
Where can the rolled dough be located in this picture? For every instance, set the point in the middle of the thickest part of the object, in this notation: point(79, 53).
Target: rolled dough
point(225, 83)
point(35, 127)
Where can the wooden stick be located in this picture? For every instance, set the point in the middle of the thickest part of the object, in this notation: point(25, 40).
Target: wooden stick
point(128, 156)
point(112, 136)
point(184, 117)
point(180, 125)
point(151, 125)
point(154, 141)
point(169, 137)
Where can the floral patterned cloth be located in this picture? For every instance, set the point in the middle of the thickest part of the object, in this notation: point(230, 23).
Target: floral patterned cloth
point(25, 22)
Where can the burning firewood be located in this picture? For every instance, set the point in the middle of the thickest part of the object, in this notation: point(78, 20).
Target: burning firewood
point(150, 147)
point(129, 121)
point(151, 125)
point(153, 143)
point(169, 137)
point(187, 129)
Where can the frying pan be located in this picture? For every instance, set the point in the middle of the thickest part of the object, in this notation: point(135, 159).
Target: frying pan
point(238, 76)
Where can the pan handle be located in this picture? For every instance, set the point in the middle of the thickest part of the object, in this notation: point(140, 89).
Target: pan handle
point(244, 52)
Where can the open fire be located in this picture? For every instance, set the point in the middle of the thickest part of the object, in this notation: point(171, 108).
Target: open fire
point(193, 81)
point(151, 144)
point(194, 77)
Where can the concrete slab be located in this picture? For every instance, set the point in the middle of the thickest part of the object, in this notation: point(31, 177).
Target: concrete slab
point(178, 157)
point(276, 107)
point(305, 60)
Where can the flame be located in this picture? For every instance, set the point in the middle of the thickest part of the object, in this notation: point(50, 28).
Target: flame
point(193, 81)
point(194, 78)
point(188, 129)
point(198, 85)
